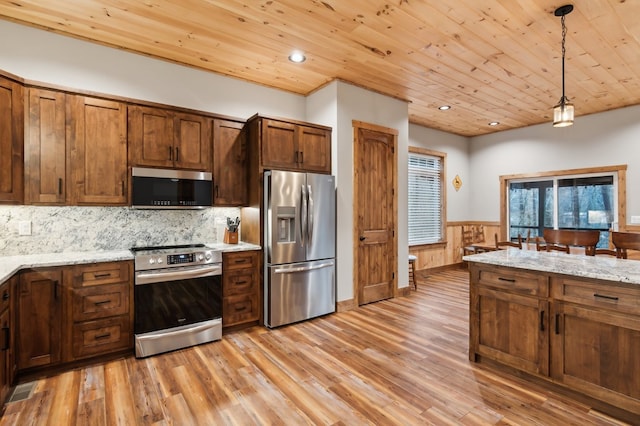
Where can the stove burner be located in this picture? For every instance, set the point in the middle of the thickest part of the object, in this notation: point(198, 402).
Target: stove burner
point(179, 246)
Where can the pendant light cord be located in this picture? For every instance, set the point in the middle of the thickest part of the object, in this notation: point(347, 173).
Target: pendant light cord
point(564, 35)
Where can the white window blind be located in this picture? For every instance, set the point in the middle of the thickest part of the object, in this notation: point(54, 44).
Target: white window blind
point(425, 199)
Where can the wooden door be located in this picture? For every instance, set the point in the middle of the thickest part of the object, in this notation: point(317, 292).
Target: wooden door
point(11, 141)
point(229, 164)
point(150, 137)
point(5, 369)
point(513, 329)
point(278, 145)
point(192, 142)
point(314, 149)
point(98, 141)
point(46, 148)
point(39, 318)
point(375, 211)
point(594, 351)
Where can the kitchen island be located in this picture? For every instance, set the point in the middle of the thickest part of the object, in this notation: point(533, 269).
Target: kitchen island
point(572, 321)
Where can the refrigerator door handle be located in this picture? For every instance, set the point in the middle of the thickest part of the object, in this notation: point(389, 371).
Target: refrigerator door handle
point(302, 268)
point(310, 214)
point(304, 211)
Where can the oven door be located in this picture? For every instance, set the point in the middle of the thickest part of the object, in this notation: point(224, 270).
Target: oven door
point(169, 298)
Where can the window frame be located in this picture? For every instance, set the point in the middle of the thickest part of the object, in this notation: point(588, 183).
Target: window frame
point(620, 184)
point(443, 196)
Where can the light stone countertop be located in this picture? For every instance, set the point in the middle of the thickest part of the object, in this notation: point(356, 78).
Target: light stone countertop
point(9, 265)
point(598, 267)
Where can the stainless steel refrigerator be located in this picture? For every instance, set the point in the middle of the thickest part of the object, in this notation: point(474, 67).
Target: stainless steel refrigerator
point(300, 238)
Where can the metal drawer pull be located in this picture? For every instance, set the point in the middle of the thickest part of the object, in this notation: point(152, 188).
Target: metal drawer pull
point(541, 320)
point(5, 295)
point(7, 338)
point(557, 323)
point(509, 280)
point(241, 282)
point(102, 302)
point(102, 336)
point(602, 296)
point(241, 308)
point(108, 274)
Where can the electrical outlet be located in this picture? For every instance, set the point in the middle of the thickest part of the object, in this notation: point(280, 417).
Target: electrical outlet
point(24, 227)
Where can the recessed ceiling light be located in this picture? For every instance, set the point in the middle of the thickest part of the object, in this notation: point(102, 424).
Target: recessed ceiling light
point(297, 57)
point(494, 123)
point(444, 107)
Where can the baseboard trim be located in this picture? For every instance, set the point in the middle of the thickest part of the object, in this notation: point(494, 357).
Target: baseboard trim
point(345, 305)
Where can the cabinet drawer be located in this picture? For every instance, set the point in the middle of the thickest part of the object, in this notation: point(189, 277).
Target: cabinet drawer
point(239, 309)
point(101, 337)
point(239, 260)
point(515, 281)
point(238, 282)
point(600, 295)
point(100, 302)
point(101, 274)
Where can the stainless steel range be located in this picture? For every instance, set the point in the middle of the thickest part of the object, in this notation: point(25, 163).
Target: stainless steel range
point(177, 297)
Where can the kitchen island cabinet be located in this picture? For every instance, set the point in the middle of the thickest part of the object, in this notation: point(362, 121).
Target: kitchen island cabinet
point(573, 321)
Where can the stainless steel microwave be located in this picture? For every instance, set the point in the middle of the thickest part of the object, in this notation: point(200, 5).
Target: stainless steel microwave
point(170, 189)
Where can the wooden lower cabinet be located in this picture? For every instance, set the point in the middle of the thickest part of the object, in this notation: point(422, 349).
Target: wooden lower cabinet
point(7, 339)
point(40, 318)
point(72, 313)
point(240, 288)
point(583, 335)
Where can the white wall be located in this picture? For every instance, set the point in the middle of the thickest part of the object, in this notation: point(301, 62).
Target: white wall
point(456, 163)
point(337, 105)
point(51, 58)
point(604, 139)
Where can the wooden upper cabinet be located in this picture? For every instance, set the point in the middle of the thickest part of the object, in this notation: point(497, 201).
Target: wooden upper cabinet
point(11, 141)
point(229, 163)
point(294, 146)
point(98, 143)
point(46, 148)
point(165, 138)
point(314, 149)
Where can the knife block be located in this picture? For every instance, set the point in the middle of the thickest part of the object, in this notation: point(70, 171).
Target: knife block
point(230, 237)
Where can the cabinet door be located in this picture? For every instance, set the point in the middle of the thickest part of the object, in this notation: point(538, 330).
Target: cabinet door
point(279, 145)
point(192, 142)
point(39, 318)
point(11, 141)
point(5, 372)
point(46, 148)
point(150, 136)
point(512, 329)
point(229, 164)
point(314, 149)
point(596, 351)
point(98, 141)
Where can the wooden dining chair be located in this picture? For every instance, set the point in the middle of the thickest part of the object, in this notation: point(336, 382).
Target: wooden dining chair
point(473, 239)
point(563, 239)
point(623, 241)
point(506, 244)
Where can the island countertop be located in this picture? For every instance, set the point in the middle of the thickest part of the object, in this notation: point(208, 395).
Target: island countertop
point(596, 267)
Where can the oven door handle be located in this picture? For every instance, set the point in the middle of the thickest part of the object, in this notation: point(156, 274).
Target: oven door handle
point(157, 277)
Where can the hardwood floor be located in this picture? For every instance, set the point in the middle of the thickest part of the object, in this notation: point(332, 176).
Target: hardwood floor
point(400, 361)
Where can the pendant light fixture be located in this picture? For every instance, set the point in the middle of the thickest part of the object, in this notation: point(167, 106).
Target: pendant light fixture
point(563, 112)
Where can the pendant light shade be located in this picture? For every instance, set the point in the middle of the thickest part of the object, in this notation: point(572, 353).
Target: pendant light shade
point(563, 111)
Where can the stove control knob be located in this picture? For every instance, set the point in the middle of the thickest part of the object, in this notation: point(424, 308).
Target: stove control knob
point(159, 260)
point(200, 257)
point(208, 256)
point(152, 261)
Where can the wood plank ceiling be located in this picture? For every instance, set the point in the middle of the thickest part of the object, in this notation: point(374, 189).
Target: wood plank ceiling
point(490, 60)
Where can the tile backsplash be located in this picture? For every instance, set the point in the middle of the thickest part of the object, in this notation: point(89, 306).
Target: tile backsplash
point(71, 229)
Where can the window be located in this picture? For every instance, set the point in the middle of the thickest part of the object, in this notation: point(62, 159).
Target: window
point(426, 196)
point(563, 202)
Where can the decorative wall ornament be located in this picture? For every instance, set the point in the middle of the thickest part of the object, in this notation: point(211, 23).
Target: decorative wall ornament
point(457, 182)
